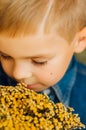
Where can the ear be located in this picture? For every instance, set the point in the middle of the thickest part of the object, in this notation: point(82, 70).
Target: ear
point(81, 41)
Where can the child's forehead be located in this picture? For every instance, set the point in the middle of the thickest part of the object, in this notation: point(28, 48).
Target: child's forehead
point(35, 45)
point(31, 38)
point(32, 43)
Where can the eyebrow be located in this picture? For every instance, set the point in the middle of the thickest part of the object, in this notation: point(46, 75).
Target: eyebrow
point(34, 57)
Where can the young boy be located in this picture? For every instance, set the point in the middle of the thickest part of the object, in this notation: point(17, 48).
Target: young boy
point(38, 39)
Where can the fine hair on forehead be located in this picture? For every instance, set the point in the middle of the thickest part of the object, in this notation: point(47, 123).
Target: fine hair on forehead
point(19, 17)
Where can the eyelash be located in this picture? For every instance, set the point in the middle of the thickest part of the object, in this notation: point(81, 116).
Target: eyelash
point(40, 63)
point(6, 57)
point(34, 62)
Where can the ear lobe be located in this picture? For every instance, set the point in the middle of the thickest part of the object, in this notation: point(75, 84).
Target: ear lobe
point(81, 41)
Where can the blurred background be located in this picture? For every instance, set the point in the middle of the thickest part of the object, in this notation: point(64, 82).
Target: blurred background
point(81, 57)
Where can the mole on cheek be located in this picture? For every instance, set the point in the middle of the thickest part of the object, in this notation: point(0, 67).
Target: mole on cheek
point(51, 73)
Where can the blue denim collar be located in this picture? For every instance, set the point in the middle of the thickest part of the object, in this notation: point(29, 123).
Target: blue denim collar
point(64, 87)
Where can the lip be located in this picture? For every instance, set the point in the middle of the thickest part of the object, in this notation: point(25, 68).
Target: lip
point(31, 86)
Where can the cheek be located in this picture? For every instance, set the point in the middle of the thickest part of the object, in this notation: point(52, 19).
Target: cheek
point(52, 75)
point(53, 78)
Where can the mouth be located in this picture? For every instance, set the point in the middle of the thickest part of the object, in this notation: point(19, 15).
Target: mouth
point(32, 86)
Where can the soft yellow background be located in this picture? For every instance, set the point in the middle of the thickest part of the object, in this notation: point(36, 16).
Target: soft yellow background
point(81, 57)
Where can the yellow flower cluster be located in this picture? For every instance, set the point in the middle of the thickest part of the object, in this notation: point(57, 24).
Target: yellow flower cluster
point(24, 109)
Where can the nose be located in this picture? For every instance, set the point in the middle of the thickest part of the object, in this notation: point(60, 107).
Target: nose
point(21, 71)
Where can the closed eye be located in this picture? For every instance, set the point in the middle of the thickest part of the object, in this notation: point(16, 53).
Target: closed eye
point(5, 57)
point(39, 63)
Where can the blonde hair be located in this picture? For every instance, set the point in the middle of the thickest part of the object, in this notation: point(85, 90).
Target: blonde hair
point(25, 16)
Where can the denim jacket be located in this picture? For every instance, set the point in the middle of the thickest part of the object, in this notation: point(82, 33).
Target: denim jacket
point(71, 89)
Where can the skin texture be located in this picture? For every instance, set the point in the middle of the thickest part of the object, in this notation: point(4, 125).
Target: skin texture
point(40, 61)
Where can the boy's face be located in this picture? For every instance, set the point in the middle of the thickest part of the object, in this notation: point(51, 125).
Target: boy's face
point(40, 61)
